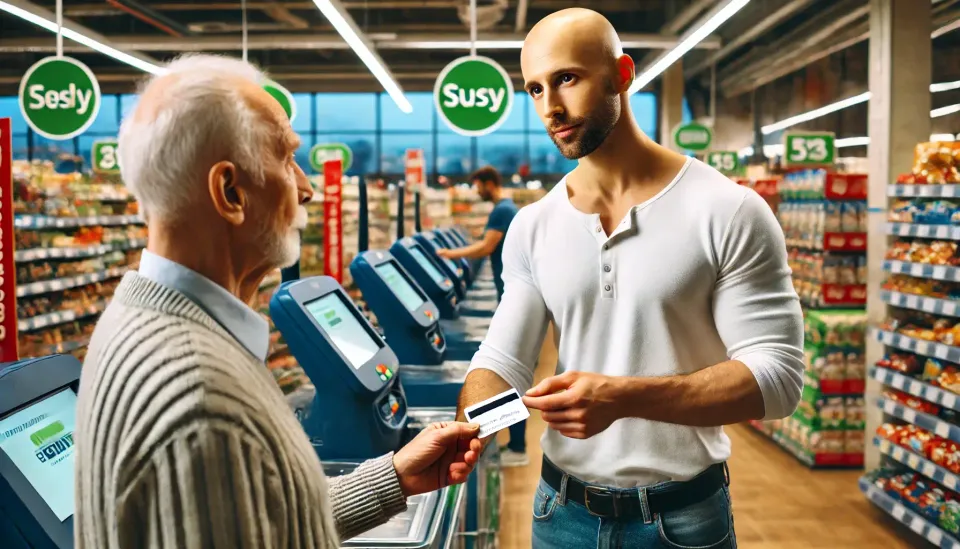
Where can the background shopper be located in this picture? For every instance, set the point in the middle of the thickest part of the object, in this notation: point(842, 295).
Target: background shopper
point(489, 185)
point(183, 439)
point(673, 308)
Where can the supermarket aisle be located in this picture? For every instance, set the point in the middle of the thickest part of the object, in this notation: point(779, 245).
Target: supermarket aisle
point(778, 503)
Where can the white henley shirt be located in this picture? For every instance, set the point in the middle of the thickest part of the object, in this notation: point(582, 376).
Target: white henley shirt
point(690, 278)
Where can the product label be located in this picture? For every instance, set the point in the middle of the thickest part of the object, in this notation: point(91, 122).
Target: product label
point(473, 95)
point(104, 158)
point(322, 153)
point(808, 148)
point(8, 282)
point(692, 137)
point(332, 219)
point(59, 97)
point(284, 97)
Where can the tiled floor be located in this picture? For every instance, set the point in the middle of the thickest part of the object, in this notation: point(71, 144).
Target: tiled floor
point(778, 503)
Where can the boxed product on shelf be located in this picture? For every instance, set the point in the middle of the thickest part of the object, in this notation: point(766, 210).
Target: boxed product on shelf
point(821, 183)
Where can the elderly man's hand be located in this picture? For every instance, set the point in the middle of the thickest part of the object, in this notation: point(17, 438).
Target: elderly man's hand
point(442, 454)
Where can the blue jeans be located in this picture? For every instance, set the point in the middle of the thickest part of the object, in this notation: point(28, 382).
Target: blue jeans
point(558, 523)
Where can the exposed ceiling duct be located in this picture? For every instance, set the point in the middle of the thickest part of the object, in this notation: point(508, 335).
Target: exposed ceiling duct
point(488, 15)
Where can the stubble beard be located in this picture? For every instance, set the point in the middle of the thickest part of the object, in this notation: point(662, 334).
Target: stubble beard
point(594, 128)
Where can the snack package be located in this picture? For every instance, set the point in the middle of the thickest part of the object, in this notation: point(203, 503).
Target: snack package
point(950, 517)
point(849, 217)
point(905, 363)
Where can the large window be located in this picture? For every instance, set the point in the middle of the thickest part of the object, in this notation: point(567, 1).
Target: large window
point(376, 131)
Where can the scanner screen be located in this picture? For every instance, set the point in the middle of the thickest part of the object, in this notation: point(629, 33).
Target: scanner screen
point(400, 286)
point(428, 265)
point(346, 332)
point(38, 440)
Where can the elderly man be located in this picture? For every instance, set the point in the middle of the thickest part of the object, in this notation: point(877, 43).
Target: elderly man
point(183, 438)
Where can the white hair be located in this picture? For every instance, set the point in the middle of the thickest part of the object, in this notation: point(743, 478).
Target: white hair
point(201, 119)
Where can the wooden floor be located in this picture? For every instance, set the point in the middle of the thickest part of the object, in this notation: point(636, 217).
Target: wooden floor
point(778, 503)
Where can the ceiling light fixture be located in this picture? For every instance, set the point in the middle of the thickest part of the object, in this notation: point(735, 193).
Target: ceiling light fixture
point(350, 33)
point(87, 41)
point(692, 39)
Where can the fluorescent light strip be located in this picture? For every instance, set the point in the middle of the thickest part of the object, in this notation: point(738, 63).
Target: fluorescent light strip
point(51, 26)
point(943, 111)
point(816, 113)
point(352, 39)
point(944, 86)
point(851, 142)
point(687, 44)
point(942, 137)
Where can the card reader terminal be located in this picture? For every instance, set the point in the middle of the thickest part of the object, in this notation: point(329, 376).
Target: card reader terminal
point(337, 347)
point(453, 271)
point(38, 401)
point(427, 274)
point(442, 241)
point(408, 317)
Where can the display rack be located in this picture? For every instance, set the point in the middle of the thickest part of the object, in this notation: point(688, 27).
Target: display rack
point(823, 217)
point(920, 371)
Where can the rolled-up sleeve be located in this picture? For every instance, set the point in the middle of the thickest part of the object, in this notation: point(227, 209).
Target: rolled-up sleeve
point(516, 332)
point(756, 308)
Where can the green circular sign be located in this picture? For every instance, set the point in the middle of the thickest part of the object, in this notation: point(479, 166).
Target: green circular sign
point(473, 95)
point(324, 152)
point(692, 137)
point(283, 96)
point(59, 97)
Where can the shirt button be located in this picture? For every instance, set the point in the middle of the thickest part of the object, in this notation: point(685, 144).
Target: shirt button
point(599, 229)
point(607, 287)
point(606, 246)
point(606, 268)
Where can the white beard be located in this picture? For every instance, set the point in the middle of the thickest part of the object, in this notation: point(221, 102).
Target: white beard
point(284, 249)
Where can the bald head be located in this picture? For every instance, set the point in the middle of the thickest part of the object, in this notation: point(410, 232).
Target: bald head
point(575, 71)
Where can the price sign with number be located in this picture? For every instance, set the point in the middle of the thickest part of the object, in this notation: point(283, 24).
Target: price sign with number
point(104, 156)
point(809, 149)
point(725, 162)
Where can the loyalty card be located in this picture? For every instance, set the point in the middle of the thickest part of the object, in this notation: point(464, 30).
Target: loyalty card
point(497, 412)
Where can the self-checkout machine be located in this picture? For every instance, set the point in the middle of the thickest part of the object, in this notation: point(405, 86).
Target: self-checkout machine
point(38, 401)
point(360, 410)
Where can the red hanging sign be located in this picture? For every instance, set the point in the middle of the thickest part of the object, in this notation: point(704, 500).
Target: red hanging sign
point(333, 220)
point(414, 169)
point(9, 351)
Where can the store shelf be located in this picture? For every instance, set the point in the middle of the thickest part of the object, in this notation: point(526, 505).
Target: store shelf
point(915, 387)
point(39, 254)
point(58, 317)
point(921, 419)
point(44, 286)
point(945, 307)
point(924, 191)
point(941, 232)
point(922, 270)
point(814, 461)
point(925, 348)
point(918, 463)
point(915, 522)
point(834, 387)
point(47, 222)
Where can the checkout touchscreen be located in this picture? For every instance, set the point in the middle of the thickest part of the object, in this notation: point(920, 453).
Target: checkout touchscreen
point(428, 265)
point(38, 439)
point(400, 286)
point(343, 328)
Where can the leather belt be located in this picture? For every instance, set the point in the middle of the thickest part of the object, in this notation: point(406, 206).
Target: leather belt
point(619, 503)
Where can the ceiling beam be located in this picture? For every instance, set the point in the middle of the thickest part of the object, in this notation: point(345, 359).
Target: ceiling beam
point(327, 41)
point(673, 27)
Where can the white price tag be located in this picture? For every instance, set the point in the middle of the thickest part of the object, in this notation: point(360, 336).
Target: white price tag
point(40, 322)
point(935, 537)
point(913, 301)
point(885, 446)
point(941, 230)
point(917, 525)
point(948, 307)
point(898, 382)
point(913, 461)
point(941, 351)
point(909, 415)
point(898, 511)
point(55, 317)
point(950, 481)
point(942, 429)
point(56, 285)
point(889, 407)
point(939, 272)
point(923, 348)
point(948, 399)
point(929, 469)
point(916, 388)
point(916, 270)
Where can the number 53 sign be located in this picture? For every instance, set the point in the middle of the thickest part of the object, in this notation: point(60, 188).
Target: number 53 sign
point(105, 158)
point(808, 149)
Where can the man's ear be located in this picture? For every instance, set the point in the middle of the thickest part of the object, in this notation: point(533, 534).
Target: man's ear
point(626, 72)
point(228, 197)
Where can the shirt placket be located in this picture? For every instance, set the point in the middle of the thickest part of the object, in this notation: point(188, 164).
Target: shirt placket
point(608, 286)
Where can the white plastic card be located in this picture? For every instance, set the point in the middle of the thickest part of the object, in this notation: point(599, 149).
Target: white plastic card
point(497, 412)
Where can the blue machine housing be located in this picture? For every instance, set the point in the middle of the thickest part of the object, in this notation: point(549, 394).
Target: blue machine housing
point(26, 521)
point(430, 277)
point(414, 335)
point(368, 416)
point(443, 241)
point(449, 268)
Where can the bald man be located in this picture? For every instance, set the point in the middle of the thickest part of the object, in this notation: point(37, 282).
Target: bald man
point(183, 439)
point(672, 305)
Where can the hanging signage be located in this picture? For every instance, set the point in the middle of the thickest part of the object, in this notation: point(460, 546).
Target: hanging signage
point(473, 95)
point(332, 220)
point(283, 96)
point(692, 137)
point(414, 168)
point(325, 152)
point(725, 162)
point(104, 157)
point(9, 351)
point(808, 148)
point(59, 97)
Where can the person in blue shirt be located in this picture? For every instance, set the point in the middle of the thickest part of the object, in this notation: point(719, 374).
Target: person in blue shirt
point(489, 186)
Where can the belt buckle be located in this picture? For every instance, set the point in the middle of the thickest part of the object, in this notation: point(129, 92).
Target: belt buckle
point(597, 491)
